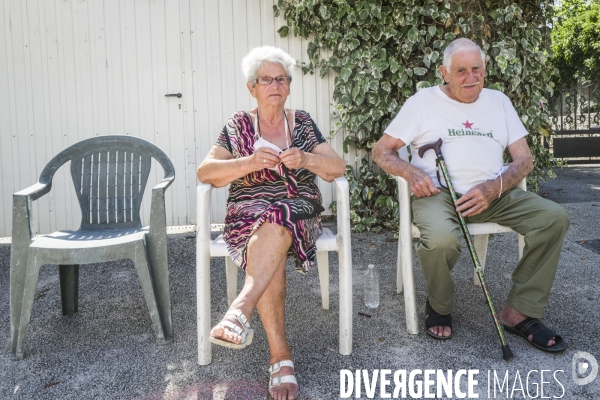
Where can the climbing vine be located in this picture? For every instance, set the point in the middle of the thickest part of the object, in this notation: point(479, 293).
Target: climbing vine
point(383, 51)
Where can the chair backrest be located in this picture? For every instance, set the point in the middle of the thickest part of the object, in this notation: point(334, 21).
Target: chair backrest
point(109, 174)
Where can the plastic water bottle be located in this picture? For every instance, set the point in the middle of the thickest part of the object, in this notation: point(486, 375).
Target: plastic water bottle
point(372, 287)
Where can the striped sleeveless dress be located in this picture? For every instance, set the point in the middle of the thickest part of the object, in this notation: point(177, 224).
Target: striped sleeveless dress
point(289, 198)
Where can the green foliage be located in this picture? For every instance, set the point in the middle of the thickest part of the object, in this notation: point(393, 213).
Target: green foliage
point(576, 41)
point(373, 199)
point(383, 51)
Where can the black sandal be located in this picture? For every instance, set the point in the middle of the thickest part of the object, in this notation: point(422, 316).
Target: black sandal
point(432, 318)
point(541, 335)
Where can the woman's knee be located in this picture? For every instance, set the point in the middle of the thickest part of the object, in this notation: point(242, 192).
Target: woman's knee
point(273, 234)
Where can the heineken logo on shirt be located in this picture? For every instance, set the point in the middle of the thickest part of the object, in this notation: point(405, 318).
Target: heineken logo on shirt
point(468, 131)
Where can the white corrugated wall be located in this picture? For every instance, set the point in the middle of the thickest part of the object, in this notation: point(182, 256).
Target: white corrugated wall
point(71, 70)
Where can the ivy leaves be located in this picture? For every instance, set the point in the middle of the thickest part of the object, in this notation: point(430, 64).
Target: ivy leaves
point(373, 204)
point(383, 51)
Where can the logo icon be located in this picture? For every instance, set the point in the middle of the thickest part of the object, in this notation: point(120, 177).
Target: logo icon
point(585, 368)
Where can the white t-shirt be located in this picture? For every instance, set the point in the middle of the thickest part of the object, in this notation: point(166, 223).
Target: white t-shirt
point(474, 134)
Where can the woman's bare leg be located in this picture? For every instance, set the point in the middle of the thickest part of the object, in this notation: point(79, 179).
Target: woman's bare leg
point(271, 308)
point(267, 251)
point(265, 288)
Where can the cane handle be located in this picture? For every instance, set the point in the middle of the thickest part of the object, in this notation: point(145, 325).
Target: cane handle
point(437, 147)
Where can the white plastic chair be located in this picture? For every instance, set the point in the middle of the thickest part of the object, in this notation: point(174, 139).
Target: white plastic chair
point(207, 248)
point(404, 275)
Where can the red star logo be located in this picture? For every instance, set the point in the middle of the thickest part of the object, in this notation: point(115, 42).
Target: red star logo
point(468, 124)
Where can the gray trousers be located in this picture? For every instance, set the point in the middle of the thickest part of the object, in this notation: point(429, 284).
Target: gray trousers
point(542, 222)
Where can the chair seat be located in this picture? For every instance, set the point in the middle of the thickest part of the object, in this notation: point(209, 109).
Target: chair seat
point(326, 242)
point(88, 239)
point(483, 228)
point(218, 247)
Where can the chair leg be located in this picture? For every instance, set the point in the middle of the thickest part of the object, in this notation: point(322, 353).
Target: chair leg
point(69, 288)
point(29, 286)
point(18, 272)
point(399, 277)
point(410, 297)
point(231, 274)
point(142, 266)
point(323, 267)
point(156, 247)
point(521, 245)
point(481, 244)
point(203, 316)
point(345, 293)
point(405, 275)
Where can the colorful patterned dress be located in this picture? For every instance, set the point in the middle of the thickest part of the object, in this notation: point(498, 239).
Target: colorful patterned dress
point(285, 197)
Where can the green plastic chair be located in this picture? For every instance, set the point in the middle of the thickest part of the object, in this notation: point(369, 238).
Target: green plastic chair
point(109, 174)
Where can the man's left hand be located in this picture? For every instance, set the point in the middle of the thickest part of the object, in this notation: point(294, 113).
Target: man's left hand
point(478, 199)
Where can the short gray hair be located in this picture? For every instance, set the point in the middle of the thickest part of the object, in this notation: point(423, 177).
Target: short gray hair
point(259, 55)
point(458, 45)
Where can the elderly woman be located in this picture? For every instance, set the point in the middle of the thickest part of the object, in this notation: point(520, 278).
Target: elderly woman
point(270, 156)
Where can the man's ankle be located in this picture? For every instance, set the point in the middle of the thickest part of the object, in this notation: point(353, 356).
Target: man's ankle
point(511, 316)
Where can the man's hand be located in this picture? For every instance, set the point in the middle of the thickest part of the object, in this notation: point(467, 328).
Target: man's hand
point(385, 154)
point(420, 183)
point(478, 199)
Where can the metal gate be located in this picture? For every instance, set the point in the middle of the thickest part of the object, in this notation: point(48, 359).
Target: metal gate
point(575, 116)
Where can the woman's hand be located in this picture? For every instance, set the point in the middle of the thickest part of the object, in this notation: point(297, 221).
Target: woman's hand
point(264, 157)
point(293, 158)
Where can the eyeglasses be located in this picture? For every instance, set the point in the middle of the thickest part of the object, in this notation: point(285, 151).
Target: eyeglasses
point(267, 80)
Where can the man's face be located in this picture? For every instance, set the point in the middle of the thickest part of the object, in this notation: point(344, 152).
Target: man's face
point(465, 77)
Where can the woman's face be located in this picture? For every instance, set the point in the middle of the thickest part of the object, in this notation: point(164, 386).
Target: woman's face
point(272, 95)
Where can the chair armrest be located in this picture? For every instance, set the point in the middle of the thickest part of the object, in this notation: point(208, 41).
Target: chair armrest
point(404, 209)
point(404, 200)
point(343, 236)
point(22, 223)
point(23, 227)
point(403, 183)
point(164, 184)
point(403, 192)
point(35, 191)
point(342, 192)
point(158, 214)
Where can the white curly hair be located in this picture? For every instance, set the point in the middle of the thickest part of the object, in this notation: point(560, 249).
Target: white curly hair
point(259, 55)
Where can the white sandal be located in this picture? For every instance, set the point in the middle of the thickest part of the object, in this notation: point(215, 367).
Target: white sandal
point(244, 331)
point(275, 381)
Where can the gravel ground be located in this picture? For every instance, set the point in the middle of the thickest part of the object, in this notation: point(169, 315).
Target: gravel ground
point(108, 349)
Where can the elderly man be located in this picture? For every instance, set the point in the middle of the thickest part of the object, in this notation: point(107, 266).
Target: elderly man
point(475, 125)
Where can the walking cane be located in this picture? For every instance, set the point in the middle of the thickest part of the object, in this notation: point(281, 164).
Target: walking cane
point(441, 164)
